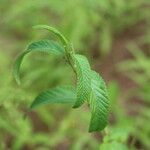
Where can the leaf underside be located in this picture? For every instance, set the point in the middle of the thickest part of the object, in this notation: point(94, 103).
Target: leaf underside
point(47, 46)
point(53, 30)
point(63, 95)
point(83, 80)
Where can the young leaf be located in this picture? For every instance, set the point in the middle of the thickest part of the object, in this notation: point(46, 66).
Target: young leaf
point(83, 80)
point(62, 95)
point(53, 30)
point(99, 103)
point(48, 46)
point(90, 86)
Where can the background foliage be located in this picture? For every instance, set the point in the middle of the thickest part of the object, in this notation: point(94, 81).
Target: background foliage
point(114, 35)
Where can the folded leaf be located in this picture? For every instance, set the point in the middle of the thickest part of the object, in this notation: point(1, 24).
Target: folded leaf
point(83, 80)
point(99, 103)
point(62, 95)
point(55, 31)
point(48, 46)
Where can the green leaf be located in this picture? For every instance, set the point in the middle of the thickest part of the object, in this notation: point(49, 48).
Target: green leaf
point(83, 80)
point(64, 95)
point(48, 46)
point(99, 103)
point(55, 31)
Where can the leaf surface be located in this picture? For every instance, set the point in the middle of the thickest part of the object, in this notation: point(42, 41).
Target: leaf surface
point(47, 46)
point(83, 80)
point(64, 95)
point(99, 103)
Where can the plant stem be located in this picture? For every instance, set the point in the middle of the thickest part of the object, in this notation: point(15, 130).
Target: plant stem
point(70, 56)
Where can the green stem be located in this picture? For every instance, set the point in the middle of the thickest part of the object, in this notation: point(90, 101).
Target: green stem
point(70, 56)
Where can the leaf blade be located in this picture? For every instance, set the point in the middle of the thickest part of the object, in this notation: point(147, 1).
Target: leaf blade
point(63, 95)
point(99, 103)
point(47, 46)
point(16, 67)
point(83, 80)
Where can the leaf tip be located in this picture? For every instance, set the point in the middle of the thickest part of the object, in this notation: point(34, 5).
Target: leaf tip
point(74, 106)
point(16, 77)
point(37, 26)
point(94, 130)
point(41, 26)
point(31, 107)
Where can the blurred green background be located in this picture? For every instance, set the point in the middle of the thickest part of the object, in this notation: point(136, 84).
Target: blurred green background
point(114, 35)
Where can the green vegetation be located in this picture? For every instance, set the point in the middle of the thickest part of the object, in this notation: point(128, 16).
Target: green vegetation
point(113, 35)
point(90, 86)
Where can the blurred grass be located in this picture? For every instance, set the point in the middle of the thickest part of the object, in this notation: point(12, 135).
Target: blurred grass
point(95, 28)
